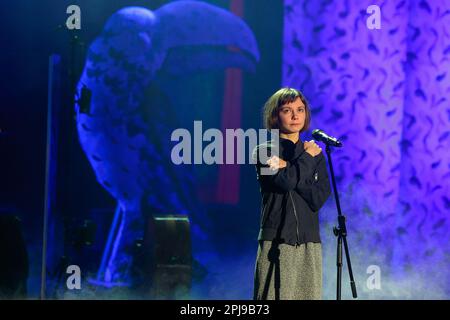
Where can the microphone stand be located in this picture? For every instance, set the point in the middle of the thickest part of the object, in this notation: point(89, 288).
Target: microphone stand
point(341, 233)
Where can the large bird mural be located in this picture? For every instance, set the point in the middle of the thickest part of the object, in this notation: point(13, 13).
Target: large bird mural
point(126, 127)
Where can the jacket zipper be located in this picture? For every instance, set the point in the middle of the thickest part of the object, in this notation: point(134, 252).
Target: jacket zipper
point(296, 218)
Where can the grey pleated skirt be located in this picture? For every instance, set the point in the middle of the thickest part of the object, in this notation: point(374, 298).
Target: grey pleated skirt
point(286, 272)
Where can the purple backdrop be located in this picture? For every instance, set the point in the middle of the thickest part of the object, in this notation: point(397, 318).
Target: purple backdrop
point(385, 93)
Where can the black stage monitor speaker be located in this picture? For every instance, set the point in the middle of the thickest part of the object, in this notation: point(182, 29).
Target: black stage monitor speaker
point(172, 271)
point(13, 259)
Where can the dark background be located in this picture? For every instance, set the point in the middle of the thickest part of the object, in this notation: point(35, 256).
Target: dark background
point(30, 32)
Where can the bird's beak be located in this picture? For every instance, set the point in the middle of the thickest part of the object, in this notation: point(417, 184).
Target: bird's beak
point(198, 36)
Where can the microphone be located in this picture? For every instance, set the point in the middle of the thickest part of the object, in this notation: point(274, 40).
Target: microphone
point(329, 140)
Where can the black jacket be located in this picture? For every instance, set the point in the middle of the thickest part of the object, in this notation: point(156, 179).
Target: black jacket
point(292, 197)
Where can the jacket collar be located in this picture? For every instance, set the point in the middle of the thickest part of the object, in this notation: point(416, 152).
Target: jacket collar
point(290, 150)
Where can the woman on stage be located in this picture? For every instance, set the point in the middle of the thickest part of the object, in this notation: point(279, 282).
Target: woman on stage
point(289, 256)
